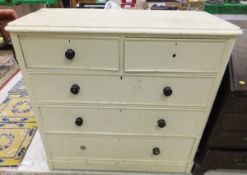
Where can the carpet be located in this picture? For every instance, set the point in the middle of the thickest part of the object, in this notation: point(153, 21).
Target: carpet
point(17, 126)
point(8, 68)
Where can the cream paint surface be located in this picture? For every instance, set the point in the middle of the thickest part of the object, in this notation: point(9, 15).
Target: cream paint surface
point(123, 21)
point(120, 89)
point(35, 159)
point(128, 90)
point(114, 120)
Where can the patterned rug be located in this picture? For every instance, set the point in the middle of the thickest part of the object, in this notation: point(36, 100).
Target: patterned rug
point(8, 68)
point(17, 126)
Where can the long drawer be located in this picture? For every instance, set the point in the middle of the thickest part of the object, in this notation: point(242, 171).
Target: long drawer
point(90, 53)
point(124, 90)
point(184, 55)
point(120, 121)
point(103, 147)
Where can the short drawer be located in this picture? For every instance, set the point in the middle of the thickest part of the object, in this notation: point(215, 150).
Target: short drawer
point(225, 160)
point(128, 148)
point(121, 121)
point(234, 122)
point(57, 52)
point(230, 140)
point(122, 89)
point(171, 55)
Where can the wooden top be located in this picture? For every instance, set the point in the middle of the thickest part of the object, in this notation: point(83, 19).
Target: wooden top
point(124, 21)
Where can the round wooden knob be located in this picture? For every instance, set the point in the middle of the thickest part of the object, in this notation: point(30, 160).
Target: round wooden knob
point(70, 54)
point(78, 121)
point(156, 151)
point(161, 123)
point(167, 91)
point(75, 89)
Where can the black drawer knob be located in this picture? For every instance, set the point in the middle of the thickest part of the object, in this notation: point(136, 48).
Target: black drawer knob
point(78, 121)
point(161, 123)
point(156, 151)
point(70, 54)
point(167, 91)
point(75, 89)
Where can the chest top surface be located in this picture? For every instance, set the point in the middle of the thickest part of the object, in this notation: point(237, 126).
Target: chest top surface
point(124, 21)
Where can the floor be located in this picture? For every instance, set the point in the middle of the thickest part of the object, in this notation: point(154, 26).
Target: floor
point(35, 158)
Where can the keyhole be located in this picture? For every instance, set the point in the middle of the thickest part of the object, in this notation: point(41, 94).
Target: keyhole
point(174, 55)
point(83, 147)
point(121, 78)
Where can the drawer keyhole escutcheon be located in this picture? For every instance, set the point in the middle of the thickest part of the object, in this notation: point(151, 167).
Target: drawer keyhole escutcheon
point(161, 123)
point(82, 147)
point(78, 121)
point(167, 91)
point(75, 89)
point(70, 54)
point(156, 151)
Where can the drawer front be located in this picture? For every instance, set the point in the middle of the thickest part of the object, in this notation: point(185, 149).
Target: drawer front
point(225, 160)
point(236, 140)
point(65, 146)
point(124, 90)
point(121, 121)
point(89, 53)
point(172, 55)
point(234, 122)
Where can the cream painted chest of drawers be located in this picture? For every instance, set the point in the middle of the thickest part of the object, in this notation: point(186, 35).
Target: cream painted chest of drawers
point(122, 90)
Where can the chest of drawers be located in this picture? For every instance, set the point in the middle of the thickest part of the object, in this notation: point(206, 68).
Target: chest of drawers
point(122, 90)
